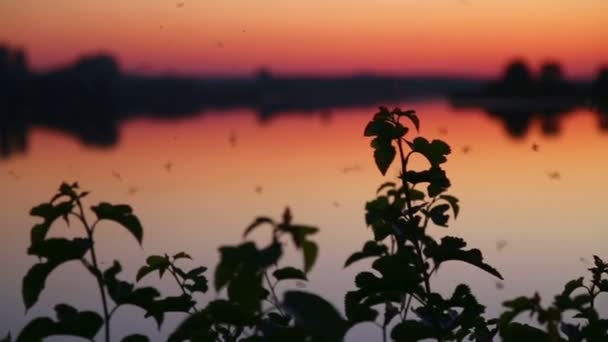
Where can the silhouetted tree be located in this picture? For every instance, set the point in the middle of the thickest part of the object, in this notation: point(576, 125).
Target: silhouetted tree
point(518, 78)
point(600, 84)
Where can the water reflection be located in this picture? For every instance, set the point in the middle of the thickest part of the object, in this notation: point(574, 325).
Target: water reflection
point(325, 173)
point(91, 98)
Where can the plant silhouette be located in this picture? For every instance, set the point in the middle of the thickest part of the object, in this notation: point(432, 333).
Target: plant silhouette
point(396, 294)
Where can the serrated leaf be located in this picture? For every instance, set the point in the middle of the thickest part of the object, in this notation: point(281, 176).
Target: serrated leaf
point(289, 273)
point(451, 249)
point(122, 214)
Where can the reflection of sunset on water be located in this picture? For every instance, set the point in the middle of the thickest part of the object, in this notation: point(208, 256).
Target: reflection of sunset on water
point(210, 194)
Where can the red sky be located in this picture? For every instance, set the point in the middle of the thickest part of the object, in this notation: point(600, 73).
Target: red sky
point(472, 37)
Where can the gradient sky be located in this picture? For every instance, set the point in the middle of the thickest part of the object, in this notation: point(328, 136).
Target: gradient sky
point(475, 37)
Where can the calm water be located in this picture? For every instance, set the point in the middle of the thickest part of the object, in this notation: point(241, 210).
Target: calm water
point(196, 183)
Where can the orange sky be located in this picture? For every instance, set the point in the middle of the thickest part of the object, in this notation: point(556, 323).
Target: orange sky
point(339, 36)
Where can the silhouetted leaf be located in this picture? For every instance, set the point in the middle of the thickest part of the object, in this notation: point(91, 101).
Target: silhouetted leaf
point(71, 322)
point(517, 332)
point(195, 328)
point(410, 114)
point(410, 330)
point(355, 311)
point(56, 251)
point(143, 271)
point(311, 252)
point(453, 203)
point(258, 221)
point(268, 256)
point(315, 315)
point(378, 128)
point(246, 289)
point(156, 308)
point(122, 214)
point(451, 249)
point(199, 284)
point(386, 185)
point(7, 338)
point(289, 273)
point(435, 176)
point(278, 319)
point(438, 216)
point(49, 212)
point(59, 249)
point(599, 263)
point(572, 285)
point(182, 255)
point(223, 311)
point(154, 263)
point(434, 151)
point(136, 338)
point(398, 272)
point(230, 259)
point(299, 233)
point(517, 306)
point(146, 298)
point(67, 190)
point(370, 249)
point(195, 272)
point(384, 156)
point(416, 195)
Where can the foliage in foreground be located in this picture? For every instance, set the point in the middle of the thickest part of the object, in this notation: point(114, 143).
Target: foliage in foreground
point(396, 294)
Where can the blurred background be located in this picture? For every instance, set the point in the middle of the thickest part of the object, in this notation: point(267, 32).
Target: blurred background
point(205, 114)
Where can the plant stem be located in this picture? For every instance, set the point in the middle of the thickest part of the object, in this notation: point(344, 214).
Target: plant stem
point(416, 242)
point(408, 202)
point(384, 333)
point(180, 284)
point(98, 276)
point(274, 294)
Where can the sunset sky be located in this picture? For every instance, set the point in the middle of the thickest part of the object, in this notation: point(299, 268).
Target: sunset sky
point(460, 37)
